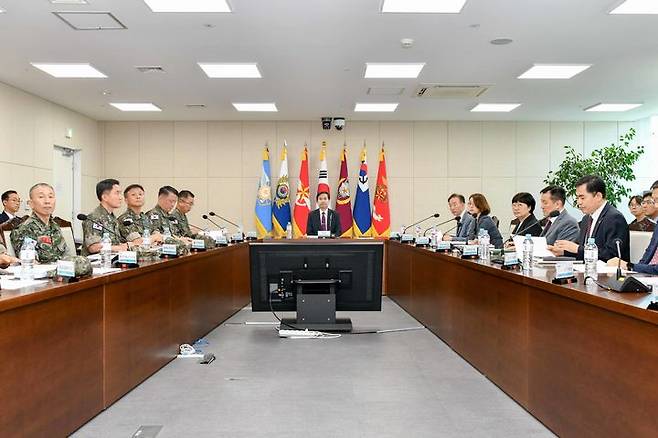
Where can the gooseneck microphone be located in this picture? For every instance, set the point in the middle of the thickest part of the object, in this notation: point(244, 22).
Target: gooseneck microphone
point(553, 213)
point(457, 218)
point(84, 217)
point(205, 216)
point(212, 213)
point(421, 221)
point(617, 242)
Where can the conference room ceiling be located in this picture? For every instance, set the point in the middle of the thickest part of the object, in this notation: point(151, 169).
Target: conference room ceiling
point(312, 56)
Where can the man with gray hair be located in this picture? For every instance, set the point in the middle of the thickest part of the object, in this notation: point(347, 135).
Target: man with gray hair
point(40, 226)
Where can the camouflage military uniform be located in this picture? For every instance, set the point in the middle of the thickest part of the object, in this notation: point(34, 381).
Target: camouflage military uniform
point(93, 233)
point(50, 242)
point(160, 220)
point(181, 225)
point(135, 229)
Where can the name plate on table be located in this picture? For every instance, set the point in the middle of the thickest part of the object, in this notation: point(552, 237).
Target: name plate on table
point(251, 235)
point(66, 269)
point(443, 245)
point(221, 240)
point(510, 258)
point(324, 233)
point(423, 241)
point(470, 251)
point(563, 270)
point(394, 235)
point(169, 249)
point(237, 237)
point(128, 257)
point(406, 238)
point(199, 244)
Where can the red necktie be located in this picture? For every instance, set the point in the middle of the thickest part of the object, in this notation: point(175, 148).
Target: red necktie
point(323, 222)
point(590, 221)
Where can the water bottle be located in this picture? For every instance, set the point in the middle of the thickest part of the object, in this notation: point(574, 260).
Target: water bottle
point(484, 242)
point(146, 239)
point(528, 248)
point(167, 233)
point(27, 256)
point(417, 232)
point(106, 252)
point(433, 238)
point(591, 258)
point(289, 231)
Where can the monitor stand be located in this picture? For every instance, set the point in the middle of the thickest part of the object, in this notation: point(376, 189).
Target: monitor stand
point(317, 311)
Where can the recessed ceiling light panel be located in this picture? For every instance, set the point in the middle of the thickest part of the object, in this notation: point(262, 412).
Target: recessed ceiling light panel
point(495, 107)
point(612, 107)
point(636, 7)
point(375, 107)
point(554, 71)
point(188, 5)
point(136, 106)
point(401, 70)
point(256, 107)
point(230, 71)
point(62, 70)
point(423, 6)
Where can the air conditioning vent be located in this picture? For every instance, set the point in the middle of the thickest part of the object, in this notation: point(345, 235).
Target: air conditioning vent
point(450, 91)
point(379, 91)
point(150, 69)
point(195, 105)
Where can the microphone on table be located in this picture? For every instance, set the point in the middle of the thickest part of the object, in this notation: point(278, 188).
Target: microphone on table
point(205, 216)
point(457, 218)
point(212, 213)
point(421, 221)
point(617, 242)
point(553, 213)
point(618, 283)
point(84, 217)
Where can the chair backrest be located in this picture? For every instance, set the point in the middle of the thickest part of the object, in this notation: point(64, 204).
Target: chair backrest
point(5, 233)
point(67, 233)
point(496, 221)
point(639, 242)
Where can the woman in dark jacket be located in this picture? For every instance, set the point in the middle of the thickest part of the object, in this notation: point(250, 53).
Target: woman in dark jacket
point(523, 209)
point(479, 208)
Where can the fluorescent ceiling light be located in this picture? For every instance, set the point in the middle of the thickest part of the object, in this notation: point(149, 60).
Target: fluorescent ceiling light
point(69, 70)
point(256, 107)
point(495, 107)
point(220, 70)
point(2, 11)
point(135, 106)
point(554, 71)
point(375, 107)
point(612, 107)
point(69, 2)
point(637, 7)
point(188, 5)
point(423, 6)
point(393, 70)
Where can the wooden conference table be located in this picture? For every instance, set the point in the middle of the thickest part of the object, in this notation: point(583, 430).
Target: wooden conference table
point(579, 359)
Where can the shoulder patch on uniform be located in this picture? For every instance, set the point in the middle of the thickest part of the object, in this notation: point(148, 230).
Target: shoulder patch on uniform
point(97, 227)
point(155, 216)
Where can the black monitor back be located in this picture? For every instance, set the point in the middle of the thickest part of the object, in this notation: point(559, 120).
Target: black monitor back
point(357, 265)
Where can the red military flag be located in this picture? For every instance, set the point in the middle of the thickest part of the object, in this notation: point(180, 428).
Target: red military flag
point(381, 212)
point(302, 202)
point(343, 198)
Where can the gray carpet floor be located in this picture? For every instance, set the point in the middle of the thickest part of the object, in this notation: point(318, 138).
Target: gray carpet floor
point(405, 384)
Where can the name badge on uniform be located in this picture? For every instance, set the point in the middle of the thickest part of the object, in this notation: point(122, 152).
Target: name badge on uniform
point(66, 269)
point(470, 250)
point(198, 244)
point(129, 220)
point(174, 221)
point(155, 217)
point(96, 226)
point(169, 249)
point(128, 257)
point(324, 233)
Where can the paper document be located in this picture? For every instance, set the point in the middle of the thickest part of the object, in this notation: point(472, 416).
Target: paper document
point(649, 281)
point(40, 271)
point(8, 284)
point(539, 249)
point(601, 268)
point(100, 271)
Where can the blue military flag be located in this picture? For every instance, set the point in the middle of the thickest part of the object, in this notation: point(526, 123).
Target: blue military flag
point(281, 206)
point(264, 199)
point(361, 213)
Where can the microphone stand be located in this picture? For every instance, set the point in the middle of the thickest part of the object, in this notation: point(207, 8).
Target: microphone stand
point(421, 221)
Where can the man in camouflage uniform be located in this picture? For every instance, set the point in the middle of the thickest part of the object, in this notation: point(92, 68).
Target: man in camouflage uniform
point(102, 219)
point(6, 259)
point(40, 226)
point(184, 206)
point(134, 221)
point(160, 215)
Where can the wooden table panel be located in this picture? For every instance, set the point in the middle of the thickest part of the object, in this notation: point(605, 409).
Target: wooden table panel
point(52, 365)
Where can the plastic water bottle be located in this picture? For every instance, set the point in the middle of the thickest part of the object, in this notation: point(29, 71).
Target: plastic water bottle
point(289, 231)
point(433, 237)
point(417, 232)
point(484, 242)
point(28, 255)
point(528, 249)
point(591, 258)
point(146, 239)
point(167, 233)
point(106, 252)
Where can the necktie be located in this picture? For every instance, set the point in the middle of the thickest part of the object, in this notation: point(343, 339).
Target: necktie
point(654, 259)
point(323, 222)
point(590, 220)
point(546, 228)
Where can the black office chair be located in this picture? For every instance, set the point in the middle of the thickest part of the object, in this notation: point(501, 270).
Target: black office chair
point(495, 221)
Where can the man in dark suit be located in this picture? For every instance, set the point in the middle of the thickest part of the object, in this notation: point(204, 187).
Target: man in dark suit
point(11, 202)
point(457, 206)
point(602, 221)
point(324, 218)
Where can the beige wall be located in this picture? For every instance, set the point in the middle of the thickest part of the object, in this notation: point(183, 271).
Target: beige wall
point(220, 161)
point(29, 127)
